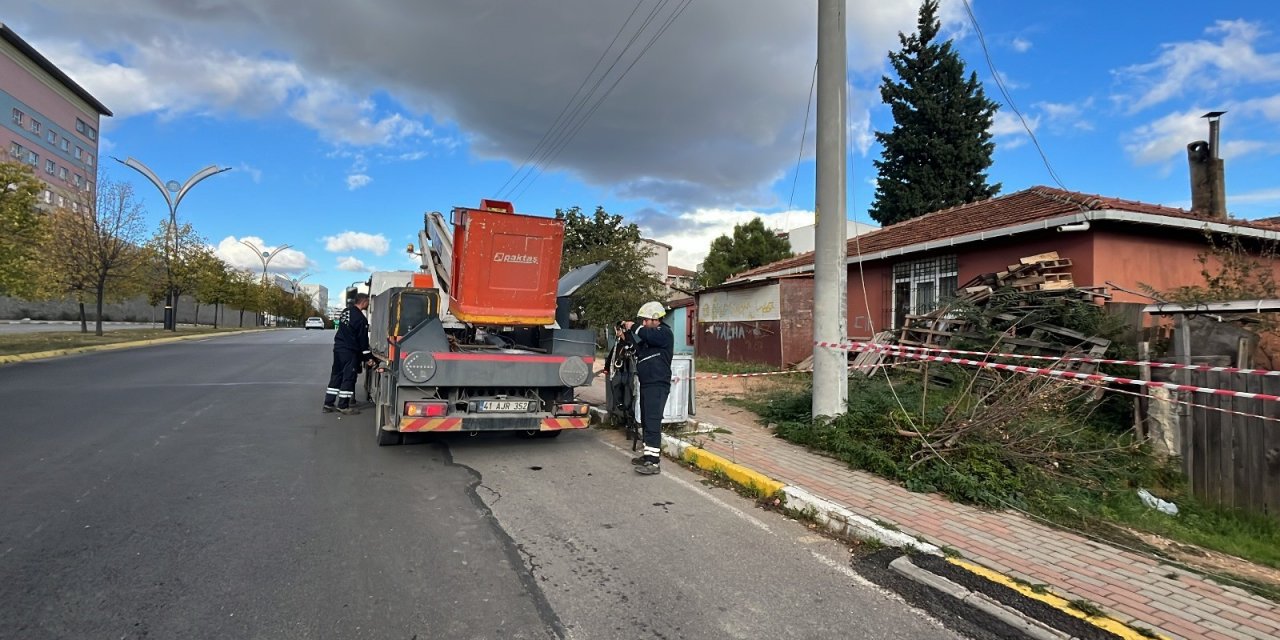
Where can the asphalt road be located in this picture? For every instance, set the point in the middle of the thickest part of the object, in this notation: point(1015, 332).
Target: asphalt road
point(194, 490)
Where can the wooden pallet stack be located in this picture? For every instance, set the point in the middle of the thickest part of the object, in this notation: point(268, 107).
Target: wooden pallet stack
point(1021, 289)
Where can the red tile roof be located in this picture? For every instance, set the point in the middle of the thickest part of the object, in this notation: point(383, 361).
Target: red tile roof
point(1036, 203)
point(683, 273)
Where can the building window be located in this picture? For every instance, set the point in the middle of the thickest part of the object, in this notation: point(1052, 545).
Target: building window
point(79, 152)
point(88, 186)
point(51, 136)
point(62, 202)
point(33, 158)
point(16, 150)
point(79, 180)
point(62, 172)
point(50, 167)
point(88, 159)
point(18, 116)
point(922, 286)
point(35, 126)
point(47, 196)
point(64, 144)
point(88, 131)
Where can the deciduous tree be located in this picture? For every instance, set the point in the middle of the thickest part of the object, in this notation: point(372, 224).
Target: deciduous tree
point(628, 281)
point(751, 245)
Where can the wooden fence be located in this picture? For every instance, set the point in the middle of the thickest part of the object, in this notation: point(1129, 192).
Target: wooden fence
point(1230, 459)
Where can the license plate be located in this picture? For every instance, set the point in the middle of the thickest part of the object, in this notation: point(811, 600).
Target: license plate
point(505, 405)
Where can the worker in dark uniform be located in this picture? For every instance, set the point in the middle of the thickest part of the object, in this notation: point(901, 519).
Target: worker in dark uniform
point(350, 351)
point(654, 348)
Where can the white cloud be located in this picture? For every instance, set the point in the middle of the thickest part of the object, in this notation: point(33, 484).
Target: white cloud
point(255, 173)
point(690, 233)
point(1021, 45)
point(357, 180)
point(1261, 196)
point(235, 253)
point(1201, 67)
point(357, 241)
point(1166, 138)
point(351, 263)
point(1067, 116)
point(1009, 131)
point(335, 67)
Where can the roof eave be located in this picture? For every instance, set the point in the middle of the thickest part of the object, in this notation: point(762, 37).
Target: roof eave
point(1114, 215)
point(51, 69)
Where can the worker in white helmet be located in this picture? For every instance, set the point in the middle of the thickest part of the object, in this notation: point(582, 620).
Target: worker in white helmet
point(654, 347)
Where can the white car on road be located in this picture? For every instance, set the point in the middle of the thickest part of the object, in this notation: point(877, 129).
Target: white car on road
point(314, 323)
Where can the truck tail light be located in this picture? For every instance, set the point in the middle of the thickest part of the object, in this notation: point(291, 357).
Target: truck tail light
point(425, 409)
point(572, 409)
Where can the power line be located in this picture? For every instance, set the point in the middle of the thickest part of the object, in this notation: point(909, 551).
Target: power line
point(804, 131)
point(564, 109)
point(973, 18)
point(565, 140)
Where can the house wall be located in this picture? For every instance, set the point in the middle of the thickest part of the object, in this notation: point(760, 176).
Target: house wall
point(796, 325)
point(741, 325)
point(1161, 262)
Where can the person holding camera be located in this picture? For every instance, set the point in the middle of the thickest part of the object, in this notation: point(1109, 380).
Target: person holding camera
point(654, 346)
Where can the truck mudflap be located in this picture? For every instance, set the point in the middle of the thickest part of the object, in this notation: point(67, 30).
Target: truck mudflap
point(493, 423)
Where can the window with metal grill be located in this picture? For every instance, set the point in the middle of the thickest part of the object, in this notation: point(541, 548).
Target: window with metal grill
point(922, 286)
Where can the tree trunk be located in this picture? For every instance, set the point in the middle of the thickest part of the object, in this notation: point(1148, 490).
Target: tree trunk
point(84, 323)
point(217, 308)
point(196, 321)
point(101, 292)
point(242, 318)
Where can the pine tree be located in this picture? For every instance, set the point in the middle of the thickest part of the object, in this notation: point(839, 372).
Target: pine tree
point(940, 147)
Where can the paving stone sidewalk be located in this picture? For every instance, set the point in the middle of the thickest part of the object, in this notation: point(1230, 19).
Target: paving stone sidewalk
point(1131, 587)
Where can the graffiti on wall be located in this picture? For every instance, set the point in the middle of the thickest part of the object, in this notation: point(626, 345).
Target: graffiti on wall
point(743, 305)
point(730, 331)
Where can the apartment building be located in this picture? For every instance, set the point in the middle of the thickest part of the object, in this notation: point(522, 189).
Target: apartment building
point(49, 122)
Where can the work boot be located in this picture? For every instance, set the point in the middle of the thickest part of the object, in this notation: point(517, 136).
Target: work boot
point(648, 469)
point(348, 411)
point(328, 408)
point(638, 460)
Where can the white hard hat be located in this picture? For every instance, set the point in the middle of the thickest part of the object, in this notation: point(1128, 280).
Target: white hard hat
point(652, 311)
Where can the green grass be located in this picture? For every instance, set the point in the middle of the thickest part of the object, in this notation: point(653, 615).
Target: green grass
point(715, 365)
point(21, 343)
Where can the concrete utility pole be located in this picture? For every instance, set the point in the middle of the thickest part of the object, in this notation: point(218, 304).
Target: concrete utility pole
point(830, 273)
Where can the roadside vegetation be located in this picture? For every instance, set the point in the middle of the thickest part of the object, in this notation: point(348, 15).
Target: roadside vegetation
point(1042, 446)
point(717, 366)
point(21, 343)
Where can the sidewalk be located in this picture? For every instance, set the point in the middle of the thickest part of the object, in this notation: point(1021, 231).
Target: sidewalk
point(1132, 588)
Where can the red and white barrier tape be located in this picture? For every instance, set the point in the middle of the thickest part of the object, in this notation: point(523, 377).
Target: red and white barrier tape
point(867, 346)
point(718, 376)
point(1176, 401)
point(1071, 374)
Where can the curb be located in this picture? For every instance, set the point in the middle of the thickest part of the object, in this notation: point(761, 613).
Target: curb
point(57, 353)
point(1016, 619)
point(841, 521)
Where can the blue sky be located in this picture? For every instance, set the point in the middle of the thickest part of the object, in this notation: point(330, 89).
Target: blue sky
point(347, 121)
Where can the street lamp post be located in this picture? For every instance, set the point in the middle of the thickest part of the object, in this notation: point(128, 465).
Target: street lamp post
point(173, 192)
point(264, 256)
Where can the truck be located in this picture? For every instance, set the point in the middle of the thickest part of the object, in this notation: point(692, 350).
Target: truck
point(481, 337)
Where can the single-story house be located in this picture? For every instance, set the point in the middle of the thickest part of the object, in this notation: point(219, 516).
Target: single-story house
point(767, 320)
point(909, 267)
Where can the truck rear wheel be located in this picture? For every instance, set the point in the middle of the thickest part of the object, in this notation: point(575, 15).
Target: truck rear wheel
point(388, 438)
